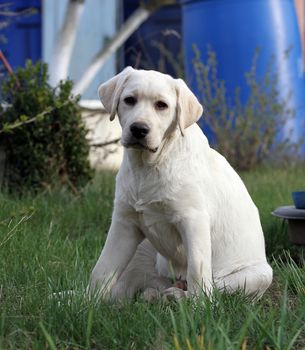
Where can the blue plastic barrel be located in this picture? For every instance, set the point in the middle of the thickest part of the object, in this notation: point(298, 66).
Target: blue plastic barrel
point(234, 30)
point(23, 34)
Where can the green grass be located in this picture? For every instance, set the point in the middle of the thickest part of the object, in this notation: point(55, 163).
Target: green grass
point(50, 242)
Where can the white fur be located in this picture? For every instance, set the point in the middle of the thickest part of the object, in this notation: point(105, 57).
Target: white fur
point(180, 210)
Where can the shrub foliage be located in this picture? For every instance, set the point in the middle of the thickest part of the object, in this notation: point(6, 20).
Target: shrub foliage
point(246, 133)
point(41, 132)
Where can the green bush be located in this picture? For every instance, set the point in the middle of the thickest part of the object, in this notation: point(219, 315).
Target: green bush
point(247, 134)
point(41, 132)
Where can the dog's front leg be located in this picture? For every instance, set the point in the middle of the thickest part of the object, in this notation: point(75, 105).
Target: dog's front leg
point(196, 237)
point(121, 243)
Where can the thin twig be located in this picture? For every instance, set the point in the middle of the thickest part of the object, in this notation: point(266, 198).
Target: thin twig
point(103, 144)
point(97, 113)
point(5, 63)
point(30, 10)
point(8, 68)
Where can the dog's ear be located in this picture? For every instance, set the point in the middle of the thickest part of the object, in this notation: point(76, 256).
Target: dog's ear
point(110, 91)
point(189, 110)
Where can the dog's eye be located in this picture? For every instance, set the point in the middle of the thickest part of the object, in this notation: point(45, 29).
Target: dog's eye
point(130, 100)
point(161, 105)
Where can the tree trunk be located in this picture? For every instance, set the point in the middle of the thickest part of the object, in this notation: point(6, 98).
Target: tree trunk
point(129, 27)
point(59, 67)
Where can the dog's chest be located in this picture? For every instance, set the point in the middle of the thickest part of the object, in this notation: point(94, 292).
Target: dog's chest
point(152, 195)
point(156, 224)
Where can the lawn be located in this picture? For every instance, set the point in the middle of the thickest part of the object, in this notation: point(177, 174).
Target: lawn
point(49, 243)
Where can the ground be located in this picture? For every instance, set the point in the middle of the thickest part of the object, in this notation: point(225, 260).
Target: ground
point(49, 242)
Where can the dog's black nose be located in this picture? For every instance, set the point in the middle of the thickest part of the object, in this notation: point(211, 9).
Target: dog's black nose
point(139, 130)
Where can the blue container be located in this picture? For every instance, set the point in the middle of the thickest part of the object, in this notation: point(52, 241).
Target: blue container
point(23, 34)
point(299, 199)
point(234, 30)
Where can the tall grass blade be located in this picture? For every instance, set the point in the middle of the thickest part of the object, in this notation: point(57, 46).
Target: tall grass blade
point(47, 336)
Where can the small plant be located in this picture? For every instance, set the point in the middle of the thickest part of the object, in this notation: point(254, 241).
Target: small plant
point(291, 272)
point(41, 132)
point(247, 134)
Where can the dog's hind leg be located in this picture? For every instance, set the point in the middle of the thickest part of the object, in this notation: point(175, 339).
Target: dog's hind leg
point(253, 280)
point(141, 275)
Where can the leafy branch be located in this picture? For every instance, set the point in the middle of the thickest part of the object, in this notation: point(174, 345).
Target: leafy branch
point(24, 119)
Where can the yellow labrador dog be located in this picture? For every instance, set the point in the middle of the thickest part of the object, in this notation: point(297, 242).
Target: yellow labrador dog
point(181, 213)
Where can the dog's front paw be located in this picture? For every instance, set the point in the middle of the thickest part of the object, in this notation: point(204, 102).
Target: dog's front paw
point(174, 293)
point(98, 291)
point(121, 292)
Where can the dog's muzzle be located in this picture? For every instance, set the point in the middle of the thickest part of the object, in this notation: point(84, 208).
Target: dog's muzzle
point(137, 139)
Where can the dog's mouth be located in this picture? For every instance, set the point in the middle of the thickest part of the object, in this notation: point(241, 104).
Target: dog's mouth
point(139, 145)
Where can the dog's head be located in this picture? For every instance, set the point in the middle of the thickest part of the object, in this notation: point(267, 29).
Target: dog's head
point(150, 106)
